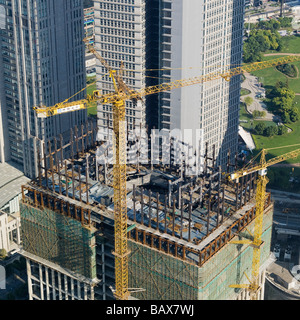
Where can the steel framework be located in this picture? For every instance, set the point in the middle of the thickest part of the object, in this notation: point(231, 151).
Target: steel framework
point(117, 99)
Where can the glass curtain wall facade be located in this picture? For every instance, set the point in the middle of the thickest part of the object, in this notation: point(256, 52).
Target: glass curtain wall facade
point(176, 39)
point(120, 37)
point(43, 63)
point(197, 38)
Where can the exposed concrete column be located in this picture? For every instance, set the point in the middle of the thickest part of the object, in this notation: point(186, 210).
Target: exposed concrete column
point(28, 267)
point(179, 195)
point(92, 293)
point(41, 282)
point(72, 289)
point(53, 285)
point(66, 287)
point(18, 224)
point(105, 167)
point(85, 291)
point(97, 170)
point(59, 286)
point(47, 283)
point(78, 290)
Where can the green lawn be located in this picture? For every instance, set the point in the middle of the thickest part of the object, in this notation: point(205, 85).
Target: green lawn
point(279, 177)
point(92, 108)
point(270, 76)
point(291, 44)
point(250, 124)
point(245, 92)
point(278, 141)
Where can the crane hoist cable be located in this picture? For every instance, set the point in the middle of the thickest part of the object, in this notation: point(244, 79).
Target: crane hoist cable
point(256, 242)
point(117, 99)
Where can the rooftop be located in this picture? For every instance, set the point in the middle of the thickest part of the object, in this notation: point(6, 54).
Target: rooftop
point(10, 183)
point(189, 208)
point(166, 207)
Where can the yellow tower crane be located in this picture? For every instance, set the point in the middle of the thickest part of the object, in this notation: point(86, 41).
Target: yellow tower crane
point(117, 99)
point(261, 168)
point(117, 75)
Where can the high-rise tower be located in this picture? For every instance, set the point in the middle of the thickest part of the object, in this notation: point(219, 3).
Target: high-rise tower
point(42, 62)
point(166, 40)
point(197, 38)
point(120, 37)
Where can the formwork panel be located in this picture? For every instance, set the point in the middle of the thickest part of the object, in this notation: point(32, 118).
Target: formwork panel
point(59, 239)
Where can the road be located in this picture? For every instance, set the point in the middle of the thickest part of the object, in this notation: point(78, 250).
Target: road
point(282, 200)
point(281, 54)
point(251, 83)
point(269, 11)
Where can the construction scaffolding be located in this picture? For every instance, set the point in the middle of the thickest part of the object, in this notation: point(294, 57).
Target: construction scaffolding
point(161, 276)
point(52, 235)
point(180, 227)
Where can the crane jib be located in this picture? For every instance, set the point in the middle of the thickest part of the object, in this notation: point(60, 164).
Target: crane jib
point(68, 109)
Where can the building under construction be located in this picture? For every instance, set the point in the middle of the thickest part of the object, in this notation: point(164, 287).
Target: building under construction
point(181, 228)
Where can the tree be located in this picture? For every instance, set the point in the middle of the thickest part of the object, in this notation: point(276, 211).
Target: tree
point(262, 114)
point(270, 131)
point(282, 104)
point(261, 40)
point(275, 25)
point(285, 22)
point(248, 101)
point(255, 114)
point(271, 25)
point(259, 128)
point(3, 254)
point(285, 117)
point(251, 50)
point(274, 42)
point(294, 114)
point(280, 85)
point(258, 114)
point(288, 69)
point(279, 42)
point(282, 130)
point(264, 24)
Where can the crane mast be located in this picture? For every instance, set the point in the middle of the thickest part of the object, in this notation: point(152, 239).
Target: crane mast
point(117, 99)
point(120, 194)
point(260, 198)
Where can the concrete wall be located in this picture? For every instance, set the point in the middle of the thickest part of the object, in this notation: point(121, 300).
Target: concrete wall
point(9, 224)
